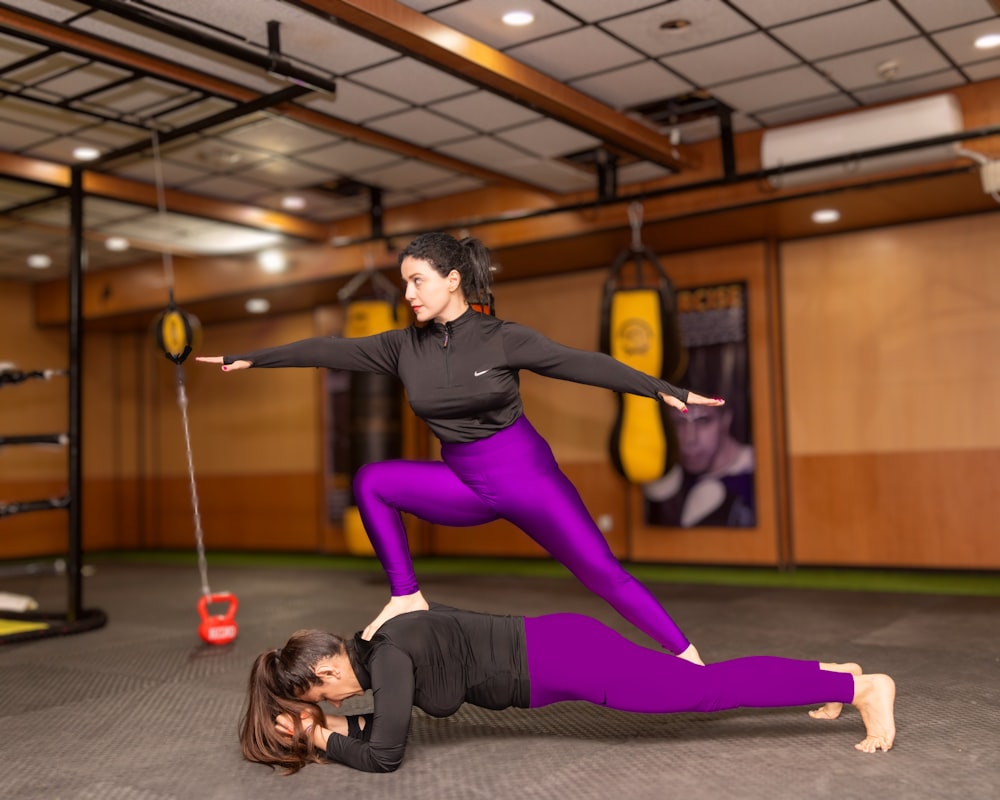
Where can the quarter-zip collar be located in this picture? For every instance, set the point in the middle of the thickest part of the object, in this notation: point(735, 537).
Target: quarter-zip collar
point(445, 330)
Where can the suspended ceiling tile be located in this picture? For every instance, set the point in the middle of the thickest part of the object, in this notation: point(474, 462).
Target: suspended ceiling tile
point(14, 193)
point(113, 135)
point(54, 213)
point(548, 138)
point(144, 97)
point(55, 120)
point(212, 154)
point(421, 127)
point(959, 43)
point(641, 172)
point(914, 57)
point(146, 40)
point(52, 66)
point(52, 9)
point(412, 80)
point(484, 151)
point(634, 85)
point(935, 15)
point(61, 149)
point(984, 70)
point(460, 183)
point(174, 174)
point(776, 12)
point(404, 175)
point(481, 19)
point(580, 52)
point(227, 187)
point(13, 50)
point(726, 61)
point(187, 114)
point(20, 137)
point(711, 21)
point(319, 205)
point(189, 234)
point(400, 198)
point(596, 10)
point(87, 78)
point(349, 158)
point(780, 88)
point(844, 31)
point(897, 90)
point(279, 135)
point(832, 104)
point(101, 211)
point(353, 103)
point(286, 173)
point(551, 175)
point(484, 111)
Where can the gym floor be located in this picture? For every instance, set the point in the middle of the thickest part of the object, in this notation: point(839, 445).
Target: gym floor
point(141, 708)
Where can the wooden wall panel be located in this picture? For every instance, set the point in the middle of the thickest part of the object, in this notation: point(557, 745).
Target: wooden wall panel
point(933, 510)
point(892, 345)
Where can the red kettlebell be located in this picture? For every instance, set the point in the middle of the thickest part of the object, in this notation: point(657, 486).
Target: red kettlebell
point(218, 628)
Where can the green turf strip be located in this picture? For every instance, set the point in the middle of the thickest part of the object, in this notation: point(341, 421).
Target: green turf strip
point(845, 579)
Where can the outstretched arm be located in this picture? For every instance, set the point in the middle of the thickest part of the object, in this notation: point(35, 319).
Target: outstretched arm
point(378, 354)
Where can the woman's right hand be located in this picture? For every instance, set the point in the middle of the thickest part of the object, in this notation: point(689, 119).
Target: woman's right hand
point(241, 364)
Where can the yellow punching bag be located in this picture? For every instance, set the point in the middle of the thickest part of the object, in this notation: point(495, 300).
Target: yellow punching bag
point(639, 328)
point(376, 405)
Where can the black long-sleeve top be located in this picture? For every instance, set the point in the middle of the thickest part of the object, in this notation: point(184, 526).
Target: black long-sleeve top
point(462, 377)
point(435, 660)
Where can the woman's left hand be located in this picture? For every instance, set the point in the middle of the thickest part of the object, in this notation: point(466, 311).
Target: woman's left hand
point(693, 399)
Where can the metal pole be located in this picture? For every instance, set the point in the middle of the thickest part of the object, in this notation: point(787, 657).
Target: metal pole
point(77, 255)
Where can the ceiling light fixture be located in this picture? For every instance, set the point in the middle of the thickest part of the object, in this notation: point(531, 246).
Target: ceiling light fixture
point(117, 244)
point(273, 261)
point(39, 261)
point(824, 216)
point(293, 202)
point(518, 18)
point(257, 305)
point(988, 41)
point(86, 153)
point(675, 24)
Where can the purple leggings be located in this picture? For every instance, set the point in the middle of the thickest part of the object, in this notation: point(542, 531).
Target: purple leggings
point(573, 657)
point(511, 475)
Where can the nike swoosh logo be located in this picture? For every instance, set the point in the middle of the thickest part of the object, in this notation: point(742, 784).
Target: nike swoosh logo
point(483, 372)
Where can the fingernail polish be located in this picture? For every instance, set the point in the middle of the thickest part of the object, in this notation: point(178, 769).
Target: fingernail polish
point(224, 369)
point(684, 411)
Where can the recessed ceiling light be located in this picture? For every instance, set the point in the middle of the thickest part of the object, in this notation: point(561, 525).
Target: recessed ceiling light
point(518, 18)
point(117, 244)
point(988, 40)
point(257, 305)
point(39, 261)
point(273, 261)
point(675, 24)
point(824, 216)
point(293, 202)
point(86, 153)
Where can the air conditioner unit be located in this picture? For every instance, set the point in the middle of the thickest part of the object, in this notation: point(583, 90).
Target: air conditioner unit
point(852, 135)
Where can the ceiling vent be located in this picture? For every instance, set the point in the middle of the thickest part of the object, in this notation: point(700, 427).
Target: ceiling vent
point(852, 137)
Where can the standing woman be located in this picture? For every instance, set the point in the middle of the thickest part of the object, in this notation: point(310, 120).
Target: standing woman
point(439, 659)
point(460, 369)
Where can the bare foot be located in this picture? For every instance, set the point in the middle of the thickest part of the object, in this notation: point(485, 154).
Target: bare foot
point(401, 604)
point(874, 697)
point(691, 654)
point(832, 710)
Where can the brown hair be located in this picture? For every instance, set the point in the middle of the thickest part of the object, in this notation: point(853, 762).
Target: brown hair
point(277, 679)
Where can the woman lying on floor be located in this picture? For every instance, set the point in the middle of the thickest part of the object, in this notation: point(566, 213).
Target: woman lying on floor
point(439, 659)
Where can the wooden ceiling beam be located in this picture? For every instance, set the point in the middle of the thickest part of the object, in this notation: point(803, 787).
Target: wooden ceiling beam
point(402, 28)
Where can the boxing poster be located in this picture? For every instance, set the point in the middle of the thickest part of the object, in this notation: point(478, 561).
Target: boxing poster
point(712, 483)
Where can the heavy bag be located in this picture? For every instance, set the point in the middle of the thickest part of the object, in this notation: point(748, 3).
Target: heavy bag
point(375, 401)
point(639, 327)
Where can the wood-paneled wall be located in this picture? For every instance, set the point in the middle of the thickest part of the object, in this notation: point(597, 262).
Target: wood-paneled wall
point(875, 364)
point(892, 348)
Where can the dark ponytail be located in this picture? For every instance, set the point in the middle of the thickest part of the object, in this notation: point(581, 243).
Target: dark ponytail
point(277, 678)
